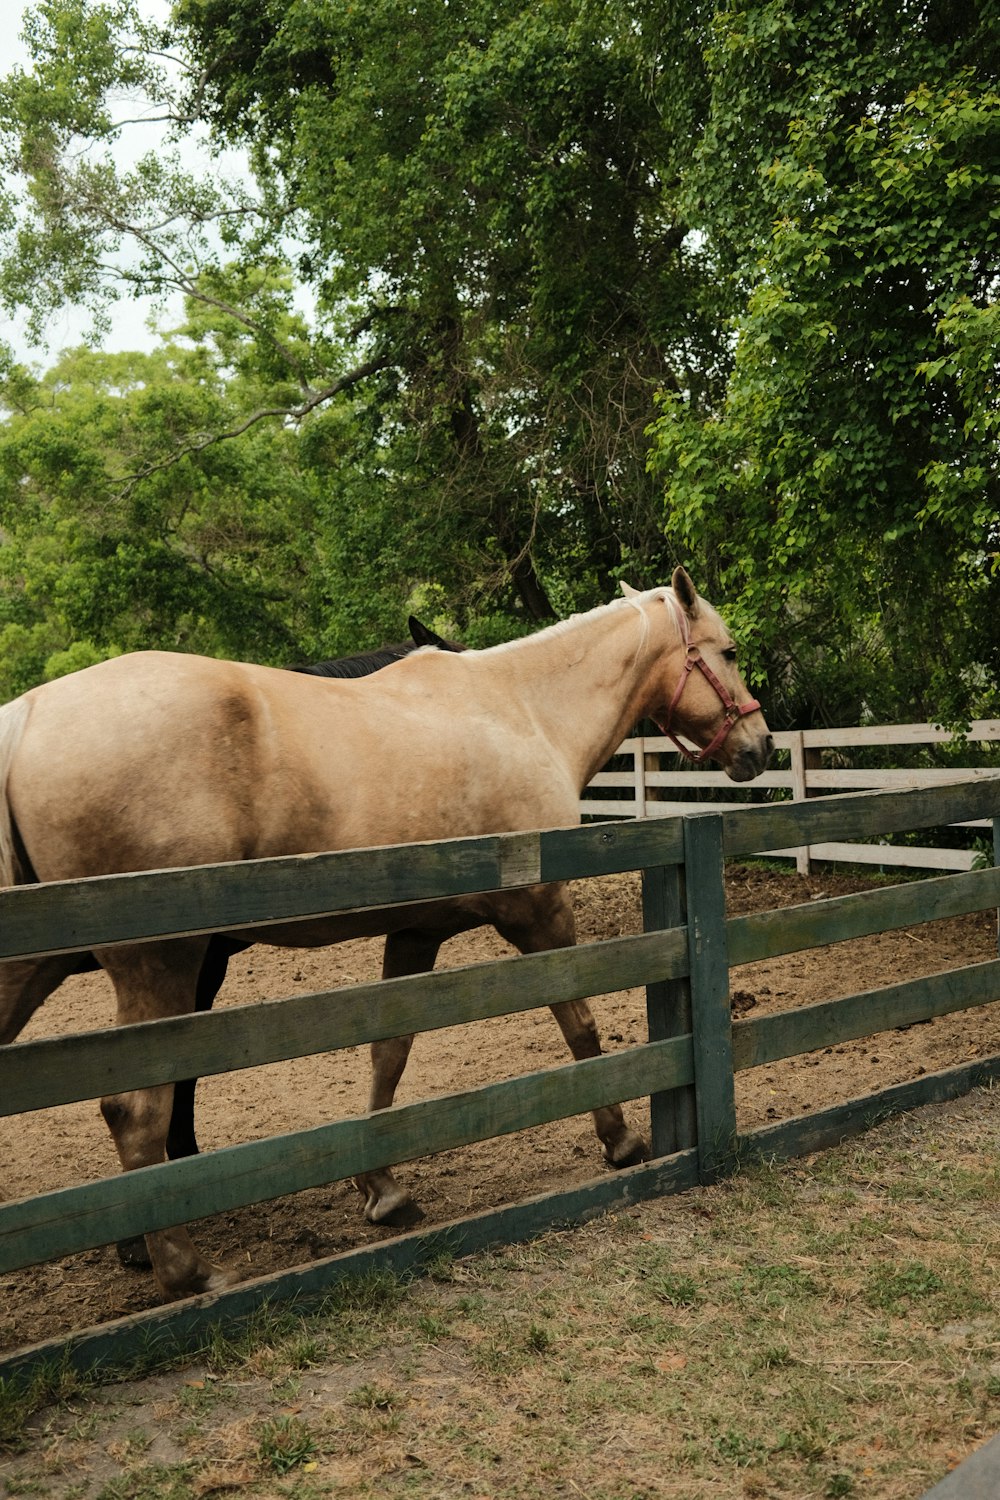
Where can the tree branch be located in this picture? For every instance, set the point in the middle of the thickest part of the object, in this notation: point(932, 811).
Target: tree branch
point(293, 413)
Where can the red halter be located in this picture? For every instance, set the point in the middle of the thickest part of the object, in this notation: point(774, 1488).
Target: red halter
point(734, 711)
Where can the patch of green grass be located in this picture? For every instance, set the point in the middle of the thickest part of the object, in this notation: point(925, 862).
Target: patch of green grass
point(903, 1288)
point(774, 1358)
point(21, 1397)
point(157, 1482)
point(374, 1397)
point(777, 1285)
point(538, 1340)
point(738, 1447)
point(677, 1290)
point(228, 1349)
point(285, 1442)
point(440, 1266)
point(432, 1327)
point(25, 1484)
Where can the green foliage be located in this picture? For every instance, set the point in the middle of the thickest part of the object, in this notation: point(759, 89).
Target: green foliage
point(846, 493)
point(515, 224)
point(285, 1442)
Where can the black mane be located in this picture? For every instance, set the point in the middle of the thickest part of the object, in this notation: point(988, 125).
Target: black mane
point(362, 665)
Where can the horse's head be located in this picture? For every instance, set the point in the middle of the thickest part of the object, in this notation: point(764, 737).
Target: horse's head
point(701, 693)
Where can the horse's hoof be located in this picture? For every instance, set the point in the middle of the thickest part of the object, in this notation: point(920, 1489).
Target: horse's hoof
point(627, 1150)
point(395, 1210)
point(134, 1254)
point(210, 1279)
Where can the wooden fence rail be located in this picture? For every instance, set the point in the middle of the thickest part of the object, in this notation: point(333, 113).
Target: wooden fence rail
point(687, 1068)
point(643, 789)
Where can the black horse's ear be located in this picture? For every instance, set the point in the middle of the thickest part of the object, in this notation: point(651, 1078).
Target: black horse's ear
point(424, 636)
point(687, 594)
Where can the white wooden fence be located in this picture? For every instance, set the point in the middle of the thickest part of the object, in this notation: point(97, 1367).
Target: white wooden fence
point(805, 776)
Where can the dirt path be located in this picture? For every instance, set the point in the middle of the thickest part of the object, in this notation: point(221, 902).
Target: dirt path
point(56, 1148)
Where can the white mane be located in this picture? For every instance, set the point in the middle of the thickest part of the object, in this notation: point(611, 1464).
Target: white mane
point(632, 601)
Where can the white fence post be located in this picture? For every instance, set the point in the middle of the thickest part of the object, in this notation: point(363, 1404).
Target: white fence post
point(650, 789)
point(796, 747)
point(639, 770)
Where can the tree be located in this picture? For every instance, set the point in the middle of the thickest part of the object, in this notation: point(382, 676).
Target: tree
point(516, 224)
point(481, 197)
point(846, 494)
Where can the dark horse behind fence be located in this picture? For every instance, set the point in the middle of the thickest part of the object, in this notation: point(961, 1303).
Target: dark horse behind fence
point(155, 760)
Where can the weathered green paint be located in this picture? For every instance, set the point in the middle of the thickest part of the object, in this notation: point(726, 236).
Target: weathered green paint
point(72, 1219)
point(765, 1039)
point(789, 825)
point(60, 1070)
point(673, 1123)
point(76, 916)
point(708, 962)
point(67, 916)
point(70, 916)
point(610, 848)
point(792, 928)
point(819, 1132)
point(181, 1327)
point(148, 905)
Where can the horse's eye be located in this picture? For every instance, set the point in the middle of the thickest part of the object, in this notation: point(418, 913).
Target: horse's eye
point(729, 653)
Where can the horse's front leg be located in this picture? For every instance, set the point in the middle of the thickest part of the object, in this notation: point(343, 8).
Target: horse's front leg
point(544, 921)
point(386, 1202)
point(154, 980)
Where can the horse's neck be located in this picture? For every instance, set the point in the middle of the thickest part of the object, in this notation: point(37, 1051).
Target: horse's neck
point(585, 685)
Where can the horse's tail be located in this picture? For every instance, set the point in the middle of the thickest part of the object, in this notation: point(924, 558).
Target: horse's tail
point(13, 718)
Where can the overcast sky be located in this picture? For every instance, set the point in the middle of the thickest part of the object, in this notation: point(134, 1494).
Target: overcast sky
point(128, 330)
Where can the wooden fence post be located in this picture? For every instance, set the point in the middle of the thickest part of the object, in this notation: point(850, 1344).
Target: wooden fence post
point(996, 861)
point(668, 1011)
point(711, 1017)
point(799, 793)
point(639, 772)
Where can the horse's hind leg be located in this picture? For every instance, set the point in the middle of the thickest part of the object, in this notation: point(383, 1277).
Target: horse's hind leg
point(157, 979)
point(622, 1145)
point(181, 1139)
point(386, 1202)
point(25, 984)
point(549, 923)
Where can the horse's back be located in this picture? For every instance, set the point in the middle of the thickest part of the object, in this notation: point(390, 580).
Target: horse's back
point(139, 761)
point(159, 758)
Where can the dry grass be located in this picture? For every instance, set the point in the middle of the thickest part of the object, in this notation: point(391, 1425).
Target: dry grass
point(821, 1328)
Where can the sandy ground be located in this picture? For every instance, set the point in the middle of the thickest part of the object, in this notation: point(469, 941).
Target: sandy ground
point(56, 1148)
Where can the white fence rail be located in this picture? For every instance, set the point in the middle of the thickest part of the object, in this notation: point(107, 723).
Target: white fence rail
point(805, 776)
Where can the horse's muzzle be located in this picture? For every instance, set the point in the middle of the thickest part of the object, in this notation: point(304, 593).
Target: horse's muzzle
point(750, 760)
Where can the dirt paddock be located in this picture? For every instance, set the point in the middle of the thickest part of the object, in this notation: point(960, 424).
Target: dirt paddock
point(56, 1148)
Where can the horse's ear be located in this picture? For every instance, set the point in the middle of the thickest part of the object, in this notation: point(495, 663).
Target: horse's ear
point(684, 589)
point(423, 635)
point(628, 590)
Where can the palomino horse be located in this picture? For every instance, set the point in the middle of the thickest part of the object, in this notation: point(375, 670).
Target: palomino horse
point(181, 1138)
point(156, 759)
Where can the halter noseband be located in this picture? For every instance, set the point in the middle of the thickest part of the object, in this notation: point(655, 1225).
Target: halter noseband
point(734, 711)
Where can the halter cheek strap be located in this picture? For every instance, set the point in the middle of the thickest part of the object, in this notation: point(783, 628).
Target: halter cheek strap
point(734, 711)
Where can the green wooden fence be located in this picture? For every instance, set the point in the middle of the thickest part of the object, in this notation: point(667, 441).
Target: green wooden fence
point(687, 1068)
